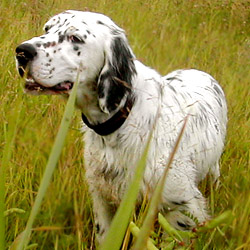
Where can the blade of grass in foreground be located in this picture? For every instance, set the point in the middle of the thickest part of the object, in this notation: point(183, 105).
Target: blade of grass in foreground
point(53, 158)
point(135, 231)
point(11, 132)
point(225, 217)
point(143, 236)
point(121, 219)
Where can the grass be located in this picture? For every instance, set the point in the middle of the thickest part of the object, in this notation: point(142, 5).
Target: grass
point(23, 239)
point(209, 35)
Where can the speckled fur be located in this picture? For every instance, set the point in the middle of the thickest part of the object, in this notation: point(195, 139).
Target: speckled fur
point(164, 101)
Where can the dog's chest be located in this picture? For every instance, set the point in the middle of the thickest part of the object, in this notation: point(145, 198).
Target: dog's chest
point(110, 166)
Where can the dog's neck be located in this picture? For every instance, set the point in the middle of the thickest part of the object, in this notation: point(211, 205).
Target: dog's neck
point(114, 122)
point(87, 102)
point(97, 120)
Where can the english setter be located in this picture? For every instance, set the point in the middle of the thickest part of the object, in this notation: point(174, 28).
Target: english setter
point(121, 101)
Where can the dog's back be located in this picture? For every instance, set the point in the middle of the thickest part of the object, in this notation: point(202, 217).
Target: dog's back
point(198, 95)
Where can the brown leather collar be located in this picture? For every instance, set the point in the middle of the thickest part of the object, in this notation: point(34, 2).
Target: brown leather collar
point(113, 123)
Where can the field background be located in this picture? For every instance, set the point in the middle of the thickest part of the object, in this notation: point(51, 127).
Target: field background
point(209, 35)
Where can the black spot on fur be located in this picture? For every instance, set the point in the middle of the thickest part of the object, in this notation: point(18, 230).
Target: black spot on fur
point(99, 22)
point(46, 28)
point(172, 88)
point(184, 226)
point(61, 38)
point(174, 78)
point(217, 128)
point(76, 47)
point(179, 203)
point(116, 81)
point(79, 53)
point(51, 71)
point(113, 30)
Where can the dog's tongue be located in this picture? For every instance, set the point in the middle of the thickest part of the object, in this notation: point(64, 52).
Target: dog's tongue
point(63, 86)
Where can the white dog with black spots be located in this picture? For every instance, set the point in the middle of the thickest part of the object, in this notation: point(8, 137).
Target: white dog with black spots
point(121, 101)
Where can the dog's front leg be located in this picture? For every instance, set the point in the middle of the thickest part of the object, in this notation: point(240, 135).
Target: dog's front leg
point(100, 189)
point(102, 213)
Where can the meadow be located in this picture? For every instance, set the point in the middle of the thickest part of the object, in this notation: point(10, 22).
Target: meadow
point(213, 36)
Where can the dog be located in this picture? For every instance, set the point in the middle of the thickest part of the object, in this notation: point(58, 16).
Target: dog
point(122, 101)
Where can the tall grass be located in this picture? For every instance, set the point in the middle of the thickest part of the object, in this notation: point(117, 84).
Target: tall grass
point(209, 35)
point(22, 240)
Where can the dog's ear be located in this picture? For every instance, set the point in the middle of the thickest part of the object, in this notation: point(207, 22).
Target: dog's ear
point(114, 82)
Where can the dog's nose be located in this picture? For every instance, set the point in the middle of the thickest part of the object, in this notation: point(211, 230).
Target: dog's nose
point(24, 53)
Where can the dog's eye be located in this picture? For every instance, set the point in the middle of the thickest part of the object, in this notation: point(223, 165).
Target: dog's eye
point(75, 39)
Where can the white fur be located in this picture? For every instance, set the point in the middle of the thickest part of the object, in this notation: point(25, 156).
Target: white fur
point(110, 160)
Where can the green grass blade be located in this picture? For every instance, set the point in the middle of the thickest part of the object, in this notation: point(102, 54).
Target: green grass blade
point(140, 243)
point(13, 210)
point(170, 246)
point(225, 217)
point(135, 231)
point(121, 219)
point(12, 126)
point(53, 158)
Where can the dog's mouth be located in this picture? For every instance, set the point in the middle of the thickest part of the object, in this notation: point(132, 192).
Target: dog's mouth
point(33, 87)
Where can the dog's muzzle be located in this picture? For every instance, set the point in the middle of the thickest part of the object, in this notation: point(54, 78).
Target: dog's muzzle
point(25, 54)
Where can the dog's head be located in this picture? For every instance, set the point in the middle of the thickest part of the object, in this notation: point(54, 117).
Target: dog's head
point(76, 40)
